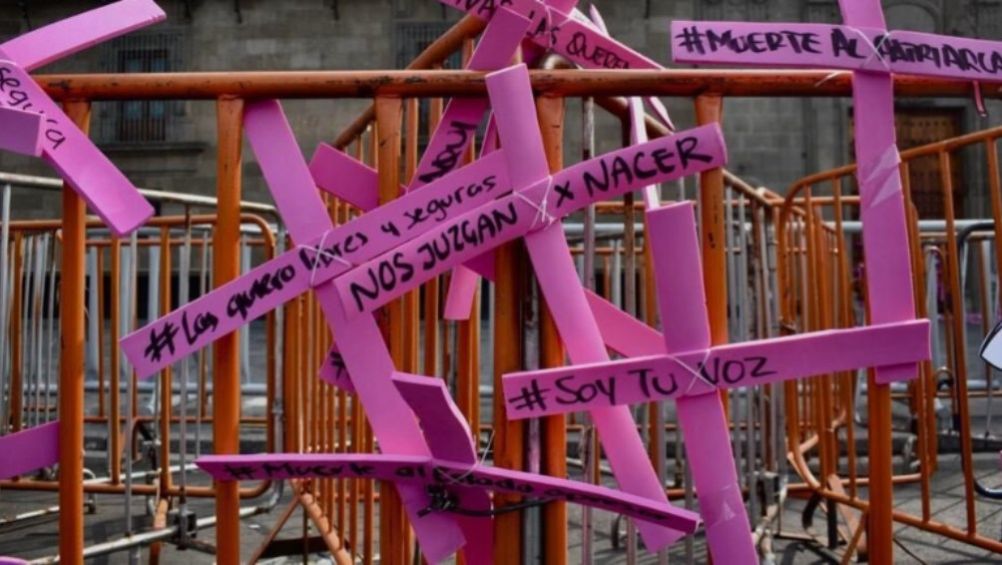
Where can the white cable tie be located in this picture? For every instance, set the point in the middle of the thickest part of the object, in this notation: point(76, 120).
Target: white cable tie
point(694, 372)
point(830, 76)
point(319, 251)
point(875, 49)
point(483, 459)
point(543, 217)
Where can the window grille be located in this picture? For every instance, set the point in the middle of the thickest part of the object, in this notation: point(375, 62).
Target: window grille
point(411, 38)
point(142, 121)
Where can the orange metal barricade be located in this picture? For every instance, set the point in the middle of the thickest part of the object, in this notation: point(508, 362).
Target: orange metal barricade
point(773, 265)
point(816, 263)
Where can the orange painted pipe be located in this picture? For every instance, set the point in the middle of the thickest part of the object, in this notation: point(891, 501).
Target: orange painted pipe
point(71, 366)
point(226, 351)
point(551, 112)
point(424, 83)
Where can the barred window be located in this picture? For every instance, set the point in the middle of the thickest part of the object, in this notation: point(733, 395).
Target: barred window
point(142, 121)
point(411, 38)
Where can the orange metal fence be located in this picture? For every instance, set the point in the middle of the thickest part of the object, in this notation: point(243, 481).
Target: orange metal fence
point(772, 266)
point(817, 260)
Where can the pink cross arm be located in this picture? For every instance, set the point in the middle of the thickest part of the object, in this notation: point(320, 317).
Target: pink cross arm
point(363, 349)
point(417, 471)
point(865, 47)
point(691, 373)
point(348, 179)
point(682, 306)
point(66, 37)
point(311, 264)
point(28, 450)
point(528, 209)
point(20, 132)
point(450, 440)
point(885, 236)
point(532, 394)
point(851, 47)
point(462, 116)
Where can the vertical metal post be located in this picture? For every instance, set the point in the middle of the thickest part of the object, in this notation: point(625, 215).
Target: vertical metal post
point(554, 428)
point(71, 367)
point(508, 435)
point(16, 317)
point(115, 376)
point(5, 282)
point(709, 109)
point(389, 112)
point(226, 352)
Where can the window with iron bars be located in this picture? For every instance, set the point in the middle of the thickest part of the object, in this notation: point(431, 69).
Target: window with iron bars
point(409, 40)
point(142, 121)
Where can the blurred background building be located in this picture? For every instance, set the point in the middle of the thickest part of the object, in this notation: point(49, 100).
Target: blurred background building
point(170, 145)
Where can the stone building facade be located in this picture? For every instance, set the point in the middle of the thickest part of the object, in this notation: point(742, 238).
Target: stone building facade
point(170, 145)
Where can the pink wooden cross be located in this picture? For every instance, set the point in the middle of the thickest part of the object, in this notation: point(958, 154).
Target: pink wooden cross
point(691, 371)
point(363, 351)
point(865, 47)
point(532, 212)
point(457, 483)
point(112, 197)
point(332, 251)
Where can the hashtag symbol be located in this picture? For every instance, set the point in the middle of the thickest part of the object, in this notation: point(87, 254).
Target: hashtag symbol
point(531, 398)
point(691, 40)
point(337, 361)
point(161, 341)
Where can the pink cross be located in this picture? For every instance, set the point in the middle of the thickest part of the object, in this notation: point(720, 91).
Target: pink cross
point(115, 200)
point(322, 251)
point(532, 212)
point(197, 323)
point(865, 47)
point(457, 483)
point(691, 371)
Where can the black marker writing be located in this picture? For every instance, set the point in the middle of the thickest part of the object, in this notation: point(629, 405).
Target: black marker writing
point(596, 54)
point(160, 341)
point(396, 270)
point(310, 257)
point(693, 40)
point(734, 371)
point(649, 381)
point(337, 361)
point(586, 392)
point(483, 8)
point(437, 209)
point(383, 277)
point(620, 171)
point(204, 322)
point(531, 398)
point(20, 99)
point(242, 302)
point(447, 159)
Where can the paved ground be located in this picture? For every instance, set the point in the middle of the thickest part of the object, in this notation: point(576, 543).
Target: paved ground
point(37, 538)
